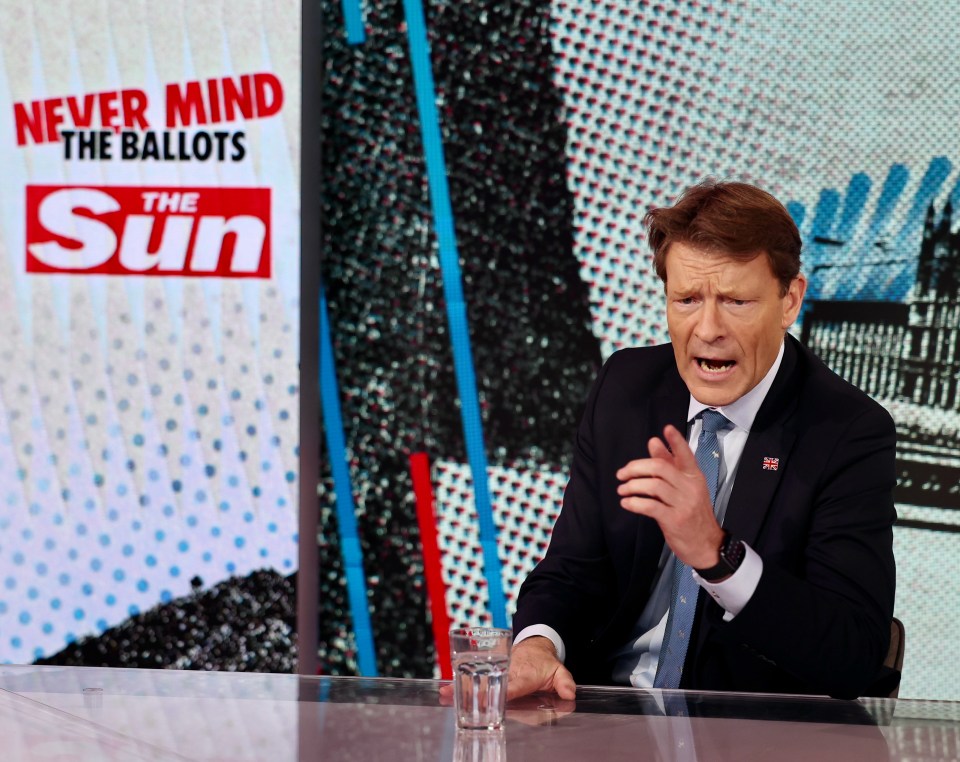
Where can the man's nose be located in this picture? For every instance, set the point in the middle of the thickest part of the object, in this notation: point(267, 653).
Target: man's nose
point(709, 326)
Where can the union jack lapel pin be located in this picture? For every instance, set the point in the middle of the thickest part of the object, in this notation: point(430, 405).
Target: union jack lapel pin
point(771, 464)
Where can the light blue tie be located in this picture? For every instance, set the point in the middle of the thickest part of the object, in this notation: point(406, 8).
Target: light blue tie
point(685, 587)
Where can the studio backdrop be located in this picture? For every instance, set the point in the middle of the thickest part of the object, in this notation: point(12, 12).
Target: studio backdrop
point(485, 170)
point(485, 167)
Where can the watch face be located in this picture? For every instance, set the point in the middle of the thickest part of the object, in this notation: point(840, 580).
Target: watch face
point(732, 552)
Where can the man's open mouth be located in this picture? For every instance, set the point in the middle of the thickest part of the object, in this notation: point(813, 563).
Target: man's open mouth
point(715, 366)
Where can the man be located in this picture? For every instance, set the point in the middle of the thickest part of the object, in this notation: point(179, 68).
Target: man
point(769, 568)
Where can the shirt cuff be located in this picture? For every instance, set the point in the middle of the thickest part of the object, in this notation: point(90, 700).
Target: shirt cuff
point(735, 591)
point(545, 631)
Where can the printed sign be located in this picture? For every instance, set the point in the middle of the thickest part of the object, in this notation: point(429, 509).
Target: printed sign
point(222, 232)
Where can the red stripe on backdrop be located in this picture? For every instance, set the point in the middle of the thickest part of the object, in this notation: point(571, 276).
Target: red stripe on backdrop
point(436, 592)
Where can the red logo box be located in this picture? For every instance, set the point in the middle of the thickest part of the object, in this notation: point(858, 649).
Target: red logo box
point(117, 230)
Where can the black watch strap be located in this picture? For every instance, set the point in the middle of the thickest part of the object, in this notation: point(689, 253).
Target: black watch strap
point(732, 553)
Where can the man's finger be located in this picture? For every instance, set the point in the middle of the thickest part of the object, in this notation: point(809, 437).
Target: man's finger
point(559, 681)
point(645, 468)
point(660, 490)
point(645, 506)
point(683, 456)
point(660, 462)
point(446, 694)
point(659, 450)
point(564, 685)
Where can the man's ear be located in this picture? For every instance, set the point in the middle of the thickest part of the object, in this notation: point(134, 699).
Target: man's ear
point(793, 300)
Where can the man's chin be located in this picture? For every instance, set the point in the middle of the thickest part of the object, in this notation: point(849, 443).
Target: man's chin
point(714, 393)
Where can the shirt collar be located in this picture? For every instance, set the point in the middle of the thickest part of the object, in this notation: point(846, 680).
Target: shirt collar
point(741, 412)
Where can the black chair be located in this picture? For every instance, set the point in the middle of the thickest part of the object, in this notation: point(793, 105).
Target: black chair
point(894, 660)
point(887, 683)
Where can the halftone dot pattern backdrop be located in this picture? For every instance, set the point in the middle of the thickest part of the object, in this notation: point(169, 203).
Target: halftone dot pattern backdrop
point(525, 505)
point(148, 426)
point(843, 110)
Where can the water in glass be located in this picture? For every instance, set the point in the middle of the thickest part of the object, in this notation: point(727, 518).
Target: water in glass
point(480, 689)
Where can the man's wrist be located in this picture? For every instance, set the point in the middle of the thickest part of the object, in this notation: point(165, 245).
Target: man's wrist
point(542, 632)
point(730, 554)
point(538, 641)
point(734, 592)
point(711, 555)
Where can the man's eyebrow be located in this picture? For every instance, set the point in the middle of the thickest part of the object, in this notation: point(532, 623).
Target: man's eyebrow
point(737, 292)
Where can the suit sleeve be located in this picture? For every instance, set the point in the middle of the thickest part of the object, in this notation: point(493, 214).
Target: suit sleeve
point(824, 617)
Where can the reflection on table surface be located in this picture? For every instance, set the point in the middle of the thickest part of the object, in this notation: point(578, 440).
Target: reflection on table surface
point(53, 713)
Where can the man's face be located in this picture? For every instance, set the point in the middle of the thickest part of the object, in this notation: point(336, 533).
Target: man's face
point(726, 319)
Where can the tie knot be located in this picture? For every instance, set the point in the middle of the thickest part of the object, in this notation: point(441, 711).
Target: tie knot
point(713, 421)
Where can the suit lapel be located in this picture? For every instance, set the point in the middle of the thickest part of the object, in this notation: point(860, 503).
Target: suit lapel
point(668, 406)
point(766, 453)
point(671, 404)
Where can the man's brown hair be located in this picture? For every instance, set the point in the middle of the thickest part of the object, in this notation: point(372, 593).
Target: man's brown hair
point(733, 219)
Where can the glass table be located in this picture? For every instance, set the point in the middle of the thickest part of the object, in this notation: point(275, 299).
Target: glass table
point(74, 714)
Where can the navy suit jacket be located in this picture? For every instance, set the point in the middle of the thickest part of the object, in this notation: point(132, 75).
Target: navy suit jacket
point(822, 521)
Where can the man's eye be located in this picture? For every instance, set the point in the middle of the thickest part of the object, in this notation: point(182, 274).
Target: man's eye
point(739, 302)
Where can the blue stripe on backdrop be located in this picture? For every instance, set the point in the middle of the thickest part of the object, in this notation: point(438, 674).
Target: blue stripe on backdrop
point(456, 306)
point(854, 205)
point(343, 489)
point(824, 215)
point(910, 235)
point(353, 21)
point(890, 194)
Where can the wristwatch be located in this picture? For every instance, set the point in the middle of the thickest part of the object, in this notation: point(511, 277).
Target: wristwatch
point(732, 552)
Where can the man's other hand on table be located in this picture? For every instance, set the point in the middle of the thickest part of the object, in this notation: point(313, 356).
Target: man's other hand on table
point(534, 668)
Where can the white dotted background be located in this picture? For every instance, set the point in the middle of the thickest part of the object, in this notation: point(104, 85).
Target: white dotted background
point(148, 426)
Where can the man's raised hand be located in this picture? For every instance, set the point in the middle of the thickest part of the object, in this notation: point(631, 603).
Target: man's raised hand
point(670, 488)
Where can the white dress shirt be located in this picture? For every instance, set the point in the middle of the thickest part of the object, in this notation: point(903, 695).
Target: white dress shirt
point(636, 662)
